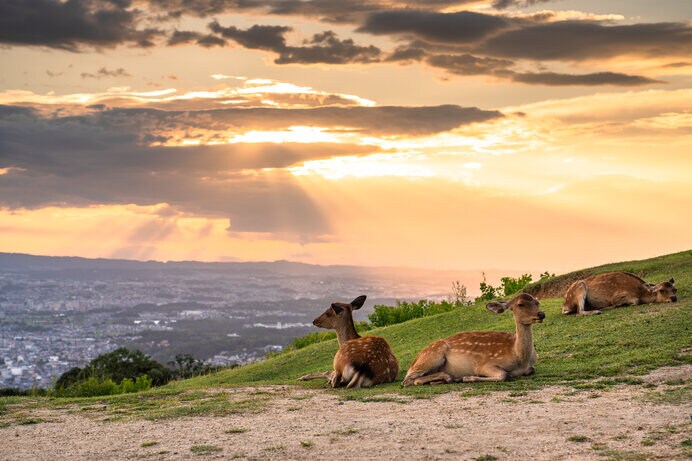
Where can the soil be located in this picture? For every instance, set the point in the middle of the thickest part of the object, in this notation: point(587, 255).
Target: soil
point(555, 423)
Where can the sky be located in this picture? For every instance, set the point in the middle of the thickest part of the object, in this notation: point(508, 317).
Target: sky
point(513, 134)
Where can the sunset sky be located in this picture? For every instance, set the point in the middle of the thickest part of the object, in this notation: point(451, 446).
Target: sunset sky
point(513, 134)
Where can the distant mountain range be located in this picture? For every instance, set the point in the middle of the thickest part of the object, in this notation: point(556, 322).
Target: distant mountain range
point(422, 277)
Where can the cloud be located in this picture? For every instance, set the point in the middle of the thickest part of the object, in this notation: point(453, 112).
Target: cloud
point(463, 27)
point(105, 157)
point(502, 4)
point(581, 40)
point(467, 64)
point(257, 37)
point(594, 79)
point(343, 11)
point(243, 93)
point(73, 24)
point(180, 37)
point(379, 120)
point(89, 160)
point(105, 73)
point(327, 48)
point(324, 47)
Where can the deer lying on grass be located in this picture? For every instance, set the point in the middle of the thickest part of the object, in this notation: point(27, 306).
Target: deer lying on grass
point(482, 355)
point(360, 361)
point(614, 289)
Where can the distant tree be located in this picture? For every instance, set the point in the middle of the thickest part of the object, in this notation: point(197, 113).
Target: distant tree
point(511, 285)
point(488, 291)
point(123, 363)
point(508, 287)
point(459, 295)
point(186, 366)
point(70, 377)
point(546, 275)
point(116, 366)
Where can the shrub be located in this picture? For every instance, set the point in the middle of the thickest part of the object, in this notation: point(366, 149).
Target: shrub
point(508, 287)
point(93, 386)
point(404, 311)
point(128, 371)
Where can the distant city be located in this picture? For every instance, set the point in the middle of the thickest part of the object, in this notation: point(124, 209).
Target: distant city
point(57, 313)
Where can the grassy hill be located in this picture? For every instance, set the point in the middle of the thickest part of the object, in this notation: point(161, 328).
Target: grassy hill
point(620, 343)
point(615, 346)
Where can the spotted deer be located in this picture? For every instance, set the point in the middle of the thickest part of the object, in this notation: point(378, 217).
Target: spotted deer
point(606, 291)
point(360, 361)
point(482, 355)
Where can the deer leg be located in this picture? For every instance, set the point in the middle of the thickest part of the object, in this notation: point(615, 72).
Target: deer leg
point(356, 380)
point(428, 361)
point(489, 373)
point(436, 378)
point(580, 298)
point(335, 379)
point(326, 375)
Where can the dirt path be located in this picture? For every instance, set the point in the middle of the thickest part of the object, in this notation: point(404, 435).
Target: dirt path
point(620, 424)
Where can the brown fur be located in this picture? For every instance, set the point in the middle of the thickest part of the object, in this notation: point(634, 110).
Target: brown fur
point(360, 361)
point(482, 355)
point(604, 291)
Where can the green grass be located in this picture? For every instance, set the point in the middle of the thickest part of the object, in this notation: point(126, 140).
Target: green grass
point(593, 352)
point(620, 342)
point(150, 443)
point(578, 438)
point(204, 449)
point(235, 430)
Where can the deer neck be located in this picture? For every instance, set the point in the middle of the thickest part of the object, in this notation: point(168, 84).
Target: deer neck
point(346, 332)
point(523, 344)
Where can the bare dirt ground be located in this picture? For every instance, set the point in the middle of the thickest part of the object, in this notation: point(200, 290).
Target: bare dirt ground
point(555, 423)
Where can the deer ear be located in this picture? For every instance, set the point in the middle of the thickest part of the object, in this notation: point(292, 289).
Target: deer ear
point(497, 306)
point(337, 309)
point(672, 280)
point(358, 302)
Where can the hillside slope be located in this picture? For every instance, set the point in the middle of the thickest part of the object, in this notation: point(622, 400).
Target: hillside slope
point(625, 341)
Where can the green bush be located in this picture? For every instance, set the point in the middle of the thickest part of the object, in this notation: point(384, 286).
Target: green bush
point(404, 311)
point(93, 386)
point(508, 286)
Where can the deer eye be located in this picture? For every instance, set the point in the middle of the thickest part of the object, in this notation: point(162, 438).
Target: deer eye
point(520, 304)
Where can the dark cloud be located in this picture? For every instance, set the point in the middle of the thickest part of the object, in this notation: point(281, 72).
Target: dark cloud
point(407, 53)
point(467, 64)
point(502, 4)
point(579, 40)
point(327, 48)
point(324, 47)
point(379, 120)
point(463, 27)
point(76, 161)
point(180, 37)
point(598, 78)
point(106, 73)
point(73, 24)
point(343, 11)
point(103, 157)
point(257, 37)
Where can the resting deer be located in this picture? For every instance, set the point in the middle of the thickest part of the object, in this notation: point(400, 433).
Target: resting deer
point(482, 355)
point(360, 361)
point(614, 289)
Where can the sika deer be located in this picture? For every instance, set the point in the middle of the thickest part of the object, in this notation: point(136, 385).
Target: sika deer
point(360, 361)
point(482, 355)
point(614, 289)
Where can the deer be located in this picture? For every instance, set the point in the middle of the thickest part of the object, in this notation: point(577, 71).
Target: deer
point(475, 356)
point(360, 361)
point(596, 293)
